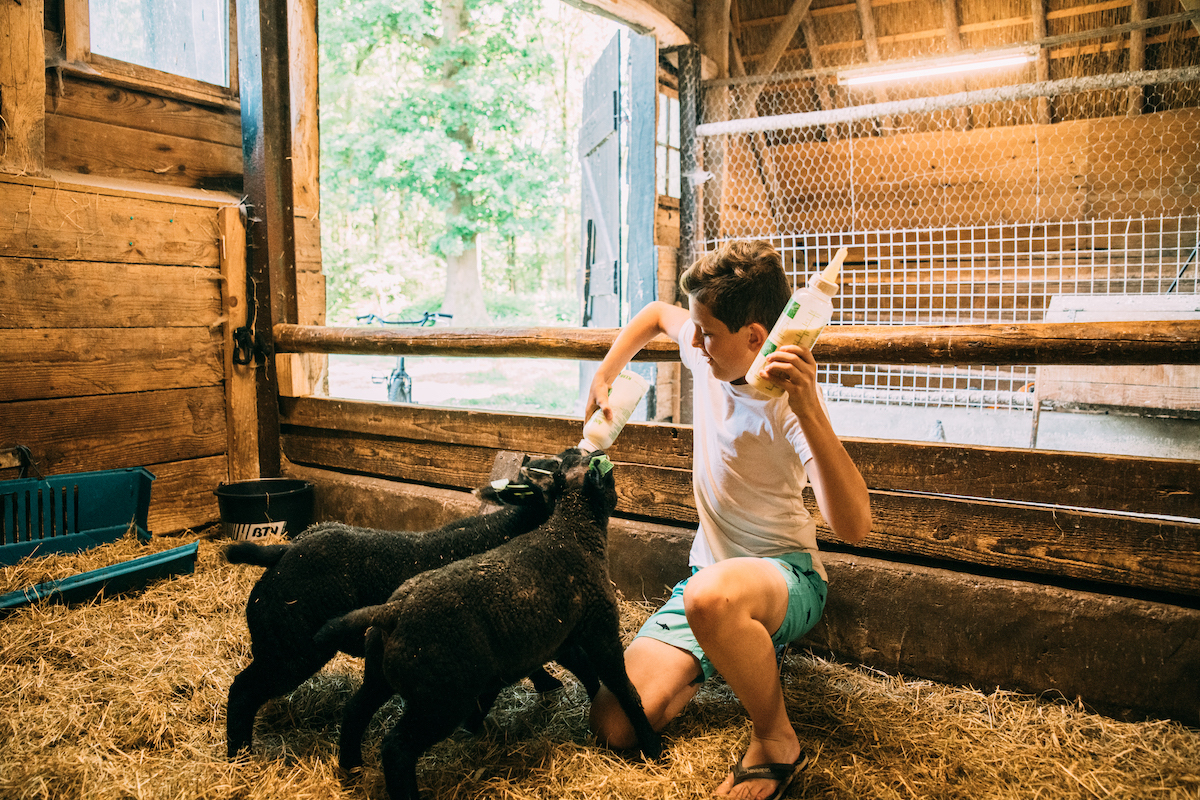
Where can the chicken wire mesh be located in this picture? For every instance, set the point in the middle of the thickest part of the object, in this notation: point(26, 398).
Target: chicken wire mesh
point(958, 204)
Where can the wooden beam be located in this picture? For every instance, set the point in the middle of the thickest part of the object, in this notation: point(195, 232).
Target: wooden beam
point(771, 57)
point(1111, 343)
point(22, 88)
point(1045, 113)
point(241, 405)
point(263, 70)
point(866, 18)
point(954, 43)
point(1136, 95)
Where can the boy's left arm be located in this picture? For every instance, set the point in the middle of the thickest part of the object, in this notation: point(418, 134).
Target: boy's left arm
point(839, 487)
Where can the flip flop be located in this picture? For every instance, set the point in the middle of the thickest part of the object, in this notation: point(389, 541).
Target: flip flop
point(783, 773)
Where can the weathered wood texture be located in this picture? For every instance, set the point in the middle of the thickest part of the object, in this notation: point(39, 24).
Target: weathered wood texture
point(1170, 342)
point(111, 315)
point(1024, 520)
point(22, 85)
point(1119, 654)
point(240, 403)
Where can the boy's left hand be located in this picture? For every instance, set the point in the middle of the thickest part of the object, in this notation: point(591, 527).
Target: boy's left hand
point(795, 370)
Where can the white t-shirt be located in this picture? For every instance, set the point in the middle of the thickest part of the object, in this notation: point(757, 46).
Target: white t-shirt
point(747, 469)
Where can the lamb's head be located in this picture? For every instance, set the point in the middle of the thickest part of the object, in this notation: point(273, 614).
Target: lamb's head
point(591, 473)
point(539, 483)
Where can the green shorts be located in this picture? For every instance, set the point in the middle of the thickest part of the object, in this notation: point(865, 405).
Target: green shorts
point(806, 602)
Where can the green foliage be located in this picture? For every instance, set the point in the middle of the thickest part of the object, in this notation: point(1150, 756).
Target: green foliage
point(443, 124)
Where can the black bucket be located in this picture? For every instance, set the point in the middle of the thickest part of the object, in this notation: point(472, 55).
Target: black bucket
point(253, 509)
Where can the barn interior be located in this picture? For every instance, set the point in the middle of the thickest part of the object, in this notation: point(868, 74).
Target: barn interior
point(1018, 240)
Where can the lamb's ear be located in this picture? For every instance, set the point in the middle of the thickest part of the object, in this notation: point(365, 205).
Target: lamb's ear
point(541, 472)
point(512, 493)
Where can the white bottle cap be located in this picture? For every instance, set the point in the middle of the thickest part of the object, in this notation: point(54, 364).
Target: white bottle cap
point(826, 282)
point(586, 446)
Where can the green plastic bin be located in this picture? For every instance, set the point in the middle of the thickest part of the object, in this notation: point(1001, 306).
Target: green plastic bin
point(73, 512)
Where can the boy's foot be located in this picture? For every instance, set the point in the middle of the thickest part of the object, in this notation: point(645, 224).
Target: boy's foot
point(781, 775)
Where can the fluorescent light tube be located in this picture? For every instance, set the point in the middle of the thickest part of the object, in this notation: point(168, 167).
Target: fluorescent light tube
point(937, 67)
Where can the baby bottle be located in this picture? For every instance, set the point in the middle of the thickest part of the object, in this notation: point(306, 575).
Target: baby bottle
point(623, 396)
point(806, 313)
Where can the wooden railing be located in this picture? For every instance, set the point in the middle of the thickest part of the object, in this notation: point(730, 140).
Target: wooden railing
point(1103, 343)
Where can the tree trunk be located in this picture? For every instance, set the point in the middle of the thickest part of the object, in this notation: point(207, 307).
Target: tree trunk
point(464, 291)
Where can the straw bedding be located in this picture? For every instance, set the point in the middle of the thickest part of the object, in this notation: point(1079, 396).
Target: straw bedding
point(124, 698)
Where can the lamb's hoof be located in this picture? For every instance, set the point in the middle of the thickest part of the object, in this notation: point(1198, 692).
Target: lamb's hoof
point(239, 754)
point(349, 775)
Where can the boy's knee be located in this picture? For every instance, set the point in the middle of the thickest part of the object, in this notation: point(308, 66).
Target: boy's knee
point(609, 723)
point(705, 601)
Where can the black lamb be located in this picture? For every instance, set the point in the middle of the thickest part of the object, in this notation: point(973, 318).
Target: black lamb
point(448, 640)
point(333, 568)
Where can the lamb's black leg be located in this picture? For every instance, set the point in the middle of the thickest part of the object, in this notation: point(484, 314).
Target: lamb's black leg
point(543, 681)
point(370, 697)
point(425, 722)
point(574, 659)
point(608, 659)
point(483, 704)
point(261, 680)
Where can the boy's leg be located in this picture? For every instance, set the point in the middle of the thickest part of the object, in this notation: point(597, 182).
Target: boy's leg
point(734, 607)
point(666, 678)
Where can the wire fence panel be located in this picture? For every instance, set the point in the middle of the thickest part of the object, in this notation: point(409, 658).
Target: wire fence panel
point(959, 206)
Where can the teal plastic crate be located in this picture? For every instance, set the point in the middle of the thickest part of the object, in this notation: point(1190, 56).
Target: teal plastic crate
point(73, 512)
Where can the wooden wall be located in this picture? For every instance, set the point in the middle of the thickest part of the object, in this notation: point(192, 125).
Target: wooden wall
point(112, 330)
point(117, 262)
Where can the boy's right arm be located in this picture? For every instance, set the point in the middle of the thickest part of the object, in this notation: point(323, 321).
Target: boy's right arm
point(656, 318)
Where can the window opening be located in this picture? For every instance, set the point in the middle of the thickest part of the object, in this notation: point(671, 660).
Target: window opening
point(182, 37)
point(667, 152)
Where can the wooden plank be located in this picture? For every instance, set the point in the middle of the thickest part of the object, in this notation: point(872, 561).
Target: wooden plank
point(48, 363)
point(308, 243)
point(138, 110)
point(1167, 487)
point(112, 431)
point(37, 293)
point(241, 403)
point(99, 148)
point(1121, 550)
point(22, 87)
point(182, 497)
point(44, 220)
point(1114, 652)
point(1116, 483)
point(303, 84)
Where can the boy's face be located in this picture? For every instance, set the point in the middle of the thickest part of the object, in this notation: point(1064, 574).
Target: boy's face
point(729, 354)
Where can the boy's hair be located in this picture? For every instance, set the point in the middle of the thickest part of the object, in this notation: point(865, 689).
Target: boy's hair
point(740, 283)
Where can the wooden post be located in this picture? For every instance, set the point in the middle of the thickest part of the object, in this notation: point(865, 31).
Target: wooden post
point(22, 88)
point(1045, 114)
point(241, 418)
point(828, 102)
point(267, 156)
point(1135, 95)
point(954, 42)
point(871, 44)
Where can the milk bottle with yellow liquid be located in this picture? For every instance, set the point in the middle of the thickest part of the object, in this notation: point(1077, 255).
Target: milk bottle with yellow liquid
point(807, 312)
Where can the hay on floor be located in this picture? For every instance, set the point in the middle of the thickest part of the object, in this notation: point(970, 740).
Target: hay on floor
point(124, 697)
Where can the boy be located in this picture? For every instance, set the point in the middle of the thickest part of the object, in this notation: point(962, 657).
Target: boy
point(757, 580)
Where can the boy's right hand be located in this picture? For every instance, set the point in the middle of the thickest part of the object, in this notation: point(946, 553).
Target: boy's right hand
point(598, 398)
